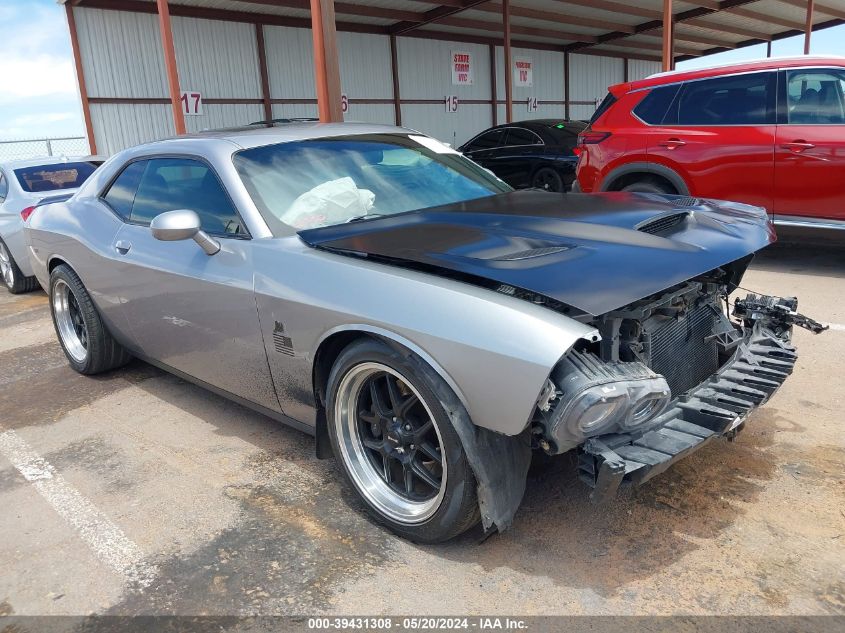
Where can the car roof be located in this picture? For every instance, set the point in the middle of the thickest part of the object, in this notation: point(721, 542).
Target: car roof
point(257, 136)
point(771, 63)
point(48, 160)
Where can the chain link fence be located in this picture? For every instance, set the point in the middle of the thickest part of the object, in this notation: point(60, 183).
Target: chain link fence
point(35, 148)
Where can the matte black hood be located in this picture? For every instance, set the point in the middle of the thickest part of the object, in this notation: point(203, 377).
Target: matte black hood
point(593, 252)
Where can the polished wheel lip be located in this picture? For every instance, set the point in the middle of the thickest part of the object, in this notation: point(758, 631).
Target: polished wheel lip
point(369, 482)
point(6, 266)
point(64, 303)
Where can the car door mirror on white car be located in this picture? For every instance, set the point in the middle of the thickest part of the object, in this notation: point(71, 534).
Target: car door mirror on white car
point(183, 224)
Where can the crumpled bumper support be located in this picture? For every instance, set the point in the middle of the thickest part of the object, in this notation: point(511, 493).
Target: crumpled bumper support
point(717, 407)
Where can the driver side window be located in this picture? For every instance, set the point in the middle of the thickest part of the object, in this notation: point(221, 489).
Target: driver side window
point(148, 188)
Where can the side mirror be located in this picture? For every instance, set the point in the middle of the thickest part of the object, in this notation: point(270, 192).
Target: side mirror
point(183, 224)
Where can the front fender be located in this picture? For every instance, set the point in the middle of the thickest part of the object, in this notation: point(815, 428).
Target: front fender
point(494, 350)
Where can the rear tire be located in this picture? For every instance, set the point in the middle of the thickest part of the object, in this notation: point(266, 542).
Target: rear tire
point(390, 429)
point(13, 278)
point(648, 185)
point(87, 343)
point(548, 179)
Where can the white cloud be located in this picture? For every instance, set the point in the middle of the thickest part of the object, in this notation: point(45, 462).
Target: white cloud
point(38, 76)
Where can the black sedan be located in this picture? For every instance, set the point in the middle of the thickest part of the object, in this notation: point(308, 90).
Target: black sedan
point(537, 153)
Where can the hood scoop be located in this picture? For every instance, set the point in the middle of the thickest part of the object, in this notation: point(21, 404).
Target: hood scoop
point(531, 253)
point(663, 223)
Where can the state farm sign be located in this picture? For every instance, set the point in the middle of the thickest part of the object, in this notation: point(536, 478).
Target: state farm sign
point(461, 68)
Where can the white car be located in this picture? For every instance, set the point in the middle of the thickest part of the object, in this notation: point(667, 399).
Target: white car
point(23, 184)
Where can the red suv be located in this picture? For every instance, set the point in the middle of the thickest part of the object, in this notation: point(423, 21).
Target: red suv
point(769, 133)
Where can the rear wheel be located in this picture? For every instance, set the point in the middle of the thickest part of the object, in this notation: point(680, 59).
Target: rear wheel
point(649, 185)
point(13, 278)
point(87, 343)
point(548, 179)
point(389, 427)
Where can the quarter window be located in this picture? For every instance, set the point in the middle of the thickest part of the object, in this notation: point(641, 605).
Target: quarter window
point(121, 194)
point(488, 140)
point(737, 100)
point(815, 97)
point(653, 108)
point(4, 187)
point(521, 136)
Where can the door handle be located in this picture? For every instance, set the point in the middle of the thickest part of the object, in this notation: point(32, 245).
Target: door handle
point(122, 246)
point(672, 143)
point(798, 146)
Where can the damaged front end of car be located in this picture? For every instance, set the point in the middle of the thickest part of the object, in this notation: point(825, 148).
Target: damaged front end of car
point(671, 373)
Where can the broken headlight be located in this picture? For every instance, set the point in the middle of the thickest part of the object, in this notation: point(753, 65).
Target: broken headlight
point(597, 397)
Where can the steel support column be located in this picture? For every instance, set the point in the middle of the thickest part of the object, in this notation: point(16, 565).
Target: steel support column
point(494, 89)
point(80, 78)
point(668, 53)
point(506, 24)
point(566, 85)
point(808, 28)
point(170, 65)
point(262, 73)
point(326, 65)
point(394, 69)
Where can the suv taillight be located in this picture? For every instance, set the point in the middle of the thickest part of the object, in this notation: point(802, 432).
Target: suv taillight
point(26, 213)
point(591, 138)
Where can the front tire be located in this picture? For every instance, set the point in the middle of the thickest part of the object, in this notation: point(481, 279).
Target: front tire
point(13, 278)
point(87, 343)
point(390, 431)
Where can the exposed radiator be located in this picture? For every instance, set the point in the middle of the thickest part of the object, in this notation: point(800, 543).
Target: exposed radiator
point(678, 348)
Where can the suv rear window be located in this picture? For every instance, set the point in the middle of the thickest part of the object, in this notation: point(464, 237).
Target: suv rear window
point(608, 101)
point(54, 177)
point(653, 108)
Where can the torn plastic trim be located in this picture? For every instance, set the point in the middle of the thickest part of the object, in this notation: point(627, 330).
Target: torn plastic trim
point(717, 407)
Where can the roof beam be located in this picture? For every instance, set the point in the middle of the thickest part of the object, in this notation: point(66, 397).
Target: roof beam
point(344, 8)
point(819, 7)
point(483, 25)
point(777, 36)
point(691, 17)
point(434, 15)
point(555, 17)
point(691, 38)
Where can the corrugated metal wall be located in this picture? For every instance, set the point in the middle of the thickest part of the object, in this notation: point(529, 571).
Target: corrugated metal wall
point(121, 54)
point(122, 59)
point(591, 75)
point(640, 69)
point(425, 74)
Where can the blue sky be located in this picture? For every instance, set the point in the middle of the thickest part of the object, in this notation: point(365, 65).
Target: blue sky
point(40, 97)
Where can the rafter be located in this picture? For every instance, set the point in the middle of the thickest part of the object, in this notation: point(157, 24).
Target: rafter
point(691, 17)
point(823, 7)
point(434, 15)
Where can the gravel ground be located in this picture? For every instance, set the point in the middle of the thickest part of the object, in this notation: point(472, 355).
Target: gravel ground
point(161, 498)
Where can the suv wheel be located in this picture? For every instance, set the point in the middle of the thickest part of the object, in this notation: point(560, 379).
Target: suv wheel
point(649, 185)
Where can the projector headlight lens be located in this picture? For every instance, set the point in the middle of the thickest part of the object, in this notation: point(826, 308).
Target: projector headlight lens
point(649, 398)
point(596, 410)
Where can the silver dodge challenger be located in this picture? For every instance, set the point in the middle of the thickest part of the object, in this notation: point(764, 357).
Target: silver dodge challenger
point(431, 327)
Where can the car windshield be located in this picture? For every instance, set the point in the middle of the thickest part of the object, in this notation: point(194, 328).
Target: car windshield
point(322, 182)
point(54, 177)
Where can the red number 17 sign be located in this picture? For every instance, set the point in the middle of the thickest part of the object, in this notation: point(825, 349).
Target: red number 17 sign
point(191, 103)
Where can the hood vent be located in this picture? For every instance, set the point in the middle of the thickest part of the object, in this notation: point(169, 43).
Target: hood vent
point(530, 253)
point(663, 223)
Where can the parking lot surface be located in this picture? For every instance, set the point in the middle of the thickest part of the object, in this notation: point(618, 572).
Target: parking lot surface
point(138, 493)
